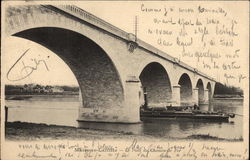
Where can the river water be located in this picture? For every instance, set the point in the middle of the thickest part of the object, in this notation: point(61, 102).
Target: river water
point(63, 110)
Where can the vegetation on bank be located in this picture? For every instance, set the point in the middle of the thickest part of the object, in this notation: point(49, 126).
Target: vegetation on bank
point(227, 91)
point(209, 137)
point(221, 90)
point(37, 89)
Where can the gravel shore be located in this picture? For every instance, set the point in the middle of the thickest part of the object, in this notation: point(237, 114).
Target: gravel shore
point(29, 131)
point(22, 131)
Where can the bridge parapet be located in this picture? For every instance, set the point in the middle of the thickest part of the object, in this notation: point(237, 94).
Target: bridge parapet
point(90, 18)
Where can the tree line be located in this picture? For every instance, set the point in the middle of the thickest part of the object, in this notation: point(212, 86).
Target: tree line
point(40, 89)
point(221, 89)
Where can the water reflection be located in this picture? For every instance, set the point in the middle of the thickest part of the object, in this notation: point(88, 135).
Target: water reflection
point(176, 127)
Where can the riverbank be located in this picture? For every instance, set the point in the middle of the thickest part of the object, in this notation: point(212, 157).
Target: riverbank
point(228, 96)
point(30, 96)
point(22, 131)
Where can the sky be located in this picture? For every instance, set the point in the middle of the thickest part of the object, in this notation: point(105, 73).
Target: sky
point(49, 73)
point(122, 15)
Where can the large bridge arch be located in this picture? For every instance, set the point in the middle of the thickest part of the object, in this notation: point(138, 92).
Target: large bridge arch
point(186, 89)
point(25, 17)
point(155, 79)
point(98, 78)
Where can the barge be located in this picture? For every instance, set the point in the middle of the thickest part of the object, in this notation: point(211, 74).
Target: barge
point(183, 112)
point(190, 112)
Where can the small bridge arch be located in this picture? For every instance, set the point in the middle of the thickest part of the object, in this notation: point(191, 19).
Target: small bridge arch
point(155, 80)
point(186, 89)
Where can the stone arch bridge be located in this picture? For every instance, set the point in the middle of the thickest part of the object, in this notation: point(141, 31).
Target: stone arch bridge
point(110, 65)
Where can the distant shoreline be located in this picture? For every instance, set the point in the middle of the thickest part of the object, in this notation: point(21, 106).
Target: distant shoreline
point(227, 96)
point(28, 96)
point(233, 98)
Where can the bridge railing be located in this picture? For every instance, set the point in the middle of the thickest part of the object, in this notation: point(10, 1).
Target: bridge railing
point(92, 19)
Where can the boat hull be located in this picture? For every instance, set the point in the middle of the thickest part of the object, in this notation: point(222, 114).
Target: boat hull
point(189, 115)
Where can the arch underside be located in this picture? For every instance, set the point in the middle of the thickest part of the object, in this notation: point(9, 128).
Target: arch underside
point(156, 81)
point(97, 76)
point(185, 90)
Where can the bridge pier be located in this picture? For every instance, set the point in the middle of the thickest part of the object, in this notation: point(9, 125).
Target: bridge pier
point(210, 97)
point(176, 95)
point(132, 99)
point(196, 96)
point(206, 98)
point(129, 112)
